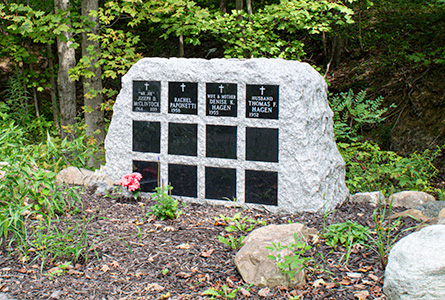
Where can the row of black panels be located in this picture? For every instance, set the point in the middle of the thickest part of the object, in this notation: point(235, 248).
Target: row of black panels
point(221, 99)
point(220, 183)
point(221, 140)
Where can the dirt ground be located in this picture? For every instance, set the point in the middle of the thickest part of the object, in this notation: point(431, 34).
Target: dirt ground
point(135, 256)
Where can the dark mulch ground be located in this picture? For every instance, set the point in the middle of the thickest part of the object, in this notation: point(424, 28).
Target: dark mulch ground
point(134, 249)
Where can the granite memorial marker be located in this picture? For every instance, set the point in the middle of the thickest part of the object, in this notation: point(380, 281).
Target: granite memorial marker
point(258, 131)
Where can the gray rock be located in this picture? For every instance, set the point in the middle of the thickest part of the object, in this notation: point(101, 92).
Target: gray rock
point(80, 176)
point(431, 209)
point(252, 262)
point(442, 213)
point(416, 266)
point(4, 296)
point(373, 198)
point(410, 199)
point(310, 170)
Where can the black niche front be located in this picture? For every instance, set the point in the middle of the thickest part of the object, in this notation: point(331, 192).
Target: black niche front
point(220, 183)
point(183, 179)
point(149, 172)
point(261, 187)
point(262, 101)
point(262, 144)
point(147, 96)
point(221, 99)
point(221, 141)
point(182, 139)
point(183, 98)
point(146, 136)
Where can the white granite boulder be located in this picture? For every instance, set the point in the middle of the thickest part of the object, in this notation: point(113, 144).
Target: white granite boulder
point(410, 199)
point(80, 176)
point(252, 261)
point(416, 266)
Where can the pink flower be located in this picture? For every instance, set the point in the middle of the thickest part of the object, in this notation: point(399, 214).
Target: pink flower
point(131, 181)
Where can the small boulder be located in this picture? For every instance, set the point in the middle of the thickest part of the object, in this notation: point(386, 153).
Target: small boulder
point(252, 261)
point(431, 209)
point(373, 198)
point(80, 176)
point(416, 266)
point(410, 199)
point(442, 213)
point(413, 213)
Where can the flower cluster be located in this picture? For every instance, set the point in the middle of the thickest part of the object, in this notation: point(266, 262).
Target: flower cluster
point(131, 181)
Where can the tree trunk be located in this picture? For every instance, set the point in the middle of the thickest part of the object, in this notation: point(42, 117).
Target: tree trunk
point(181, 45)
point(239, 7)
point(54, 106)
point(249, 6)
point(66, 87)
point(223, 6)
point(94, 115)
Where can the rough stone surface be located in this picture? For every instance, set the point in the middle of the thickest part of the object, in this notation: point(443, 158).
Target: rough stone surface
point(373, 198)
point(410, 199)
point(431, 209)
point(414, 213)
point(79, 176)
point(442, 213)
point(252, 262)
point(416, 266)
point(311, 172)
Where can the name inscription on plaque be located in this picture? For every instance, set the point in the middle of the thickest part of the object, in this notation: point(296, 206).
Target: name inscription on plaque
point(221, 99)
point(262, 101)
point(183, 98)
point(146, 96)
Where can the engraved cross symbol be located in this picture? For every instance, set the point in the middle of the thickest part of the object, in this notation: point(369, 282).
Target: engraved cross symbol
point(182, 87)
point(262, 89)
point(221, 87)
point(146, 85)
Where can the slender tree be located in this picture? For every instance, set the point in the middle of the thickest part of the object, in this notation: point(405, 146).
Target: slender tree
point(66, 86)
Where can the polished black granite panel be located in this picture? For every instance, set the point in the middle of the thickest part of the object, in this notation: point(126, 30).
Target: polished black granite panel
point(262, 144)
point(220, 183)
point(146, 136)
point(147, 96)
point(149, 171)
point(182, 139)
point(261, 187)
point(262, 101)
point(221, 141)
point(183, 98)
point(221, 99)
point(183, 179)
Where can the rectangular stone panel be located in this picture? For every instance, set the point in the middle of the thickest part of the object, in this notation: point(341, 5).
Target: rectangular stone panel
point(182, 139)
point(221, 99)
point(261, 187)
point(220, 183)
point(183, 179)
point(221, 141)
point(149, 171)
point(147, 96)
point(262, 101)
point(146, 136)
point(183, 98)
point(262, 144)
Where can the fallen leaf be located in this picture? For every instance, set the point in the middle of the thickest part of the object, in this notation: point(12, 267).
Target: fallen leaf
point(138, 222)
point(318, 282)
point(90, 211)
point(264, 292)
point(345, 281)
point(207, 253)
point(168, 228)
point(183, 275)
point(244, 292)
point(105, 268)
point(157, 225)
point(23, 270)
point(361, 295)
point(229, 282)
point(114, 264)
point(165, 296)
point(154, 287)
point(364, 281)
point(359, 286)
point(365, 269)
point(219, 223)
point(354, 275)
point(184, 246)
point(376, 290)
point(23, 259)
point(330, 285)
point(74, 272)
point(373, 277)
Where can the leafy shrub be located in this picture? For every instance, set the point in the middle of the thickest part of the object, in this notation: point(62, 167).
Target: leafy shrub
point(166, 206)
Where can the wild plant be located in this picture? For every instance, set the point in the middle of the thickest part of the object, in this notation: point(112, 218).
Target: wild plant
point(231, 242)
point(166, 206)
point(224, 293)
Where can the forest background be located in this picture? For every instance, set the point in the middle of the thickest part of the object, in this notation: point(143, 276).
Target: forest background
point(62, 62)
